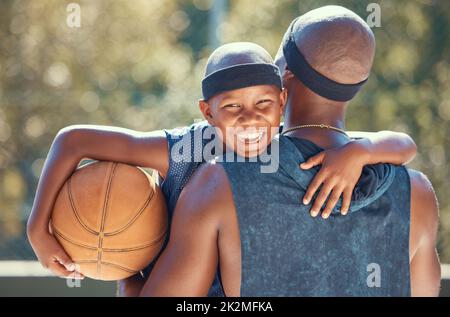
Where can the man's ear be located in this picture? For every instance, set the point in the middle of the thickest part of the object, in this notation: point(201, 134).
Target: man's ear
point(205, 108)
point(287, 76)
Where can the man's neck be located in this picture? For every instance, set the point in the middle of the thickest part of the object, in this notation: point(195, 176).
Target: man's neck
point(313, 112)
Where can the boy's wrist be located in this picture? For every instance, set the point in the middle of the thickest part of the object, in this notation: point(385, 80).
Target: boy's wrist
point(36, 232)
point(363, 150)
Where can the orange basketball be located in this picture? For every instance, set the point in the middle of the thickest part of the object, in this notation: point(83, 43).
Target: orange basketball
point(111, 219)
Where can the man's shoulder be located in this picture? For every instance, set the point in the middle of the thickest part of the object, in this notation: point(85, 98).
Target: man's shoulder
point(209, 178)
point(420, 184)
point(424, 204)
point(208, 190)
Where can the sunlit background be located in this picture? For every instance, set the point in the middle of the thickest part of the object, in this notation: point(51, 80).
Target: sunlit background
point(139, 64)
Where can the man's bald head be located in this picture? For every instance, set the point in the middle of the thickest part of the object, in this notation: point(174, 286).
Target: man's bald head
point(235, 54)
point(336, 42)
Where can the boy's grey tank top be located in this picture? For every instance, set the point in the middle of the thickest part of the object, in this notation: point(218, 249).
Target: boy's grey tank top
point(185, 146)
point(286, 252)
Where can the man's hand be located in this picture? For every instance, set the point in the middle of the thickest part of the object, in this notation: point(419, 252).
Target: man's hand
point(340, 171)
point(53, 257)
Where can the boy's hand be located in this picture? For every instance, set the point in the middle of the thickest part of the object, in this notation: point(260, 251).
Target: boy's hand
point(53, 257)
point(340, 171)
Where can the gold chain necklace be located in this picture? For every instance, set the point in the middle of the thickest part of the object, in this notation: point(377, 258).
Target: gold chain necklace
point(322, 126)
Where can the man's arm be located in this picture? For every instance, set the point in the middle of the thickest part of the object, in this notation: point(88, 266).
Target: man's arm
point(71, 144)
point(189, 262)
point(424, 260)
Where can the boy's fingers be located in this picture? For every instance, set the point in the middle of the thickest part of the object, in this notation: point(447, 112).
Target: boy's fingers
point(313, 186)
point(313, 161)
point(320, 199)
point(65, 261)
point(59, 270)
point(347, 197)
point(332, 201)
point(76, 275)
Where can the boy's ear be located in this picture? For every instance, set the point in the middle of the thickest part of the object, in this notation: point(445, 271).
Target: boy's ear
point(206, 110)
point(283, 100)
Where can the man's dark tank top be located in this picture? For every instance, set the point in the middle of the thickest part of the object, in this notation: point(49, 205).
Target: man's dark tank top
point(286, 252)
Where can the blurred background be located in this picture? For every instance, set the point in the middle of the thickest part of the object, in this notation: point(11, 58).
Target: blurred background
point(139, 64)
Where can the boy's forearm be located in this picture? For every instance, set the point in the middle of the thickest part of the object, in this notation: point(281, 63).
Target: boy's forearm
point(387, 147)
point(60, 163)
point(109, 143)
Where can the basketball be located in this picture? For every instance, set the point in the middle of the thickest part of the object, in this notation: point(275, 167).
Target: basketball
point(111, 219)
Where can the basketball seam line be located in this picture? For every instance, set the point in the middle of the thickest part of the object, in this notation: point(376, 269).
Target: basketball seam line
point(58, 233)
point(104, 211)
point(111, 264)
point(126, 226)
point(146, 203)
point(141, 210)
point(74, 209)
point(152, 243)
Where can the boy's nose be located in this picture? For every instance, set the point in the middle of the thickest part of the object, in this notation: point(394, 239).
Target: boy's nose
point(249, 117)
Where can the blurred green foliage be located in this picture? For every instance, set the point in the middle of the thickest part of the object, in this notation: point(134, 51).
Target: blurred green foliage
point(138, 64)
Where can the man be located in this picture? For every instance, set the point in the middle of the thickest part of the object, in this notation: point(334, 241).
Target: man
point(262, 241)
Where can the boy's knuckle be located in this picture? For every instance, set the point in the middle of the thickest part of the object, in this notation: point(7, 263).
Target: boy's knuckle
point(321, 196)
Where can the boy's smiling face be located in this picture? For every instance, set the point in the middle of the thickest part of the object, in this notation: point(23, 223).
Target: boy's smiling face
point(247, 118)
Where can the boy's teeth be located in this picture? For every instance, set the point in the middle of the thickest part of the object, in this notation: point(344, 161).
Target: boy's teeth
point(250, 137)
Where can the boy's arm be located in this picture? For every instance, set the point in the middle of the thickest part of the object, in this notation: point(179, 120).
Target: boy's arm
point(386, 146)
point(71, 144)
point(108, 143)
point(342, 166)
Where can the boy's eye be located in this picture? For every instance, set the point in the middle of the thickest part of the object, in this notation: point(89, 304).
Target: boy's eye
point(232, 105)
point(264, 102)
